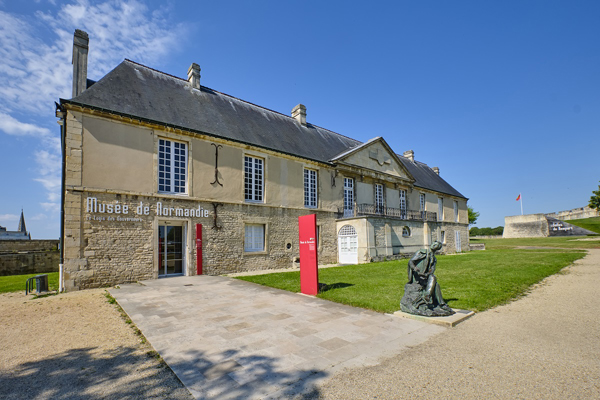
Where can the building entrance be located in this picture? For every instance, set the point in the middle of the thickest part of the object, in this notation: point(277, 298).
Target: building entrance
point(347, 245)
point(171, 250)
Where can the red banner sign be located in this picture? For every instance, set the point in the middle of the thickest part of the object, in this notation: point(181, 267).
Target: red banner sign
point(309, 272)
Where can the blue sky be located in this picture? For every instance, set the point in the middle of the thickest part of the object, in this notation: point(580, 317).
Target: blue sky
point(503, 97)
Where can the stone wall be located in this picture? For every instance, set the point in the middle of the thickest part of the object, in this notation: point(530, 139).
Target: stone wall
point(108, 249)
point(539, 225)
point(576, 213)
point(19, 257)
point(28, 245)
point(450, 230)
point(522, 226)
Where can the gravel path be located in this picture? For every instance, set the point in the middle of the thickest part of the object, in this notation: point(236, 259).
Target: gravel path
point(76, 346)
point(543, 346)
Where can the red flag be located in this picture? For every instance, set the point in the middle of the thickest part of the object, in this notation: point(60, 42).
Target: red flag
point(519, 198)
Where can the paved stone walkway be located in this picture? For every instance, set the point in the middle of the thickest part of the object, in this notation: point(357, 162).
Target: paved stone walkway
point(230, 339)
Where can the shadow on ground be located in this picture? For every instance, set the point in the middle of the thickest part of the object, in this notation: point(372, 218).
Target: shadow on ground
point(125, 373)
point(88, 373)
point(233, 374)
point(333, 286)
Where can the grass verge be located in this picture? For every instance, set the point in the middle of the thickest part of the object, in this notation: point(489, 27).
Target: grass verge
point(591, 224)
point(16, 283)
point(150, 353)
point(128, 321)
point(475, 281)
point(565, 242)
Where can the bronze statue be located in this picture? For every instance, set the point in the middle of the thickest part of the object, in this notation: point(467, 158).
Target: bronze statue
point(422, 293)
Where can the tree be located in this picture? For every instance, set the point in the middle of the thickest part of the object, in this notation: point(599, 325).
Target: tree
point(595, 199)
point(473, 215)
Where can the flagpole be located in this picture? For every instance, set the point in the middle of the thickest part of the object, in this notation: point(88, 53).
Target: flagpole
point(521, 198)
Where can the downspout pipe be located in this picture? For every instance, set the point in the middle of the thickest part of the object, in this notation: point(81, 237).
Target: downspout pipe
point(61, 114)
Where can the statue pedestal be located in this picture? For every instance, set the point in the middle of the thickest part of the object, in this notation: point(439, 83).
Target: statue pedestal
point(449, 321)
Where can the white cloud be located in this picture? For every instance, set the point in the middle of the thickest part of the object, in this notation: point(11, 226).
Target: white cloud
point(7, 219)
point(117, 29)
point(51, 207)
point(11, 126)
point(49, 169)
point(36, 69)
point(38, 217)
point(35, 65)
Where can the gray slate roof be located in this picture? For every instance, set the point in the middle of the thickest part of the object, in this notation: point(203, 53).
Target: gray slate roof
point(135, 90)
point(427, 179)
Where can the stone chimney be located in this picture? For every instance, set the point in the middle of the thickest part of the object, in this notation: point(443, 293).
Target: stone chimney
point(436, 170)
point(194, 76)
point(299, 113)
point(80, 53)
point(410, 154)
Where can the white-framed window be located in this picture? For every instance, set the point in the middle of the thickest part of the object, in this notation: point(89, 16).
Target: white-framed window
point(172, 166)
point(455, 211)
point(379, 201)
point(403, 199)
point(403, 206)
point(440, 209)
point(405, 231)
point(254, 238)
point(422, 202)
point(253, 179)
point(348, 197)
point(310, 188)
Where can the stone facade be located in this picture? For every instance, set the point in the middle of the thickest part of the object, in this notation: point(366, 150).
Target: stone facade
point(103, 249)
point(108, 248)
point(244, 173)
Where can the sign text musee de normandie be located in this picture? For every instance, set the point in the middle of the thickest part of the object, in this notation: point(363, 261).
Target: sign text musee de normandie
point(104, 211)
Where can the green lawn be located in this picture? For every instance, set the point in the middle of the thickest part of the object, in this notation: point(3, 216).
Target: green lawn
point(476, 281)
point(16, 283)
point(566, 242)
point(592, 224)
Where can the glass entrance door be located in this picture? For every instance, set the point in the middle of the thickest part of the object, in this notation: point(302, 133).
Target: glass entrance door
point(170, 250)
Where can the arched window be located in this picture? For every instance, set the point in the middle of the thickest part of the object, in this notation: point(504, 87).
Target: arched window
point(405, 231)
point(347, 230)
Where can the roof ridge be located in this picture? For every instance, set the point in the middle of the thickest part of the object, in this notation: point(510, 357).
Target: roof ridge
point(237, 98)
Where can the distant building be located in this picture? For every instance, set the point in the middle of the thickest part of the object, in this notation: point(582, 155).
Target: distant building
point(20, 234)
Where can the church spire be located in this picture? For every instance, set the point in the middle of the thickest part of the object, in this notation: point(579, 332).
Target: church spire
point(22, 227)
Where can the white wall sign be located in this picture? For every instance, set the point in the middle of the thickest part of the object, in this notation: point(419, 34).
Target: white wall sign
point(117, 211)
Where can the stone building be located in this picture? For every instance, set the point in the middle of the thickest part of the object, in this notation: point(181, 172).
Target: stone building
point(163, 176)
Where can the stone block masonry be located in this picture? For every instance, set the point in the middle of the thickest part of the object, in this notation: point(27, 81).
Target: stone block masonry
point(107, 248)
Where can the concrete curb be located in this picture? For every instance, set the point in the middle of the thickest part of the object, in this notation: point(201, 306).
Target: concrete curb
point(449, 321)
